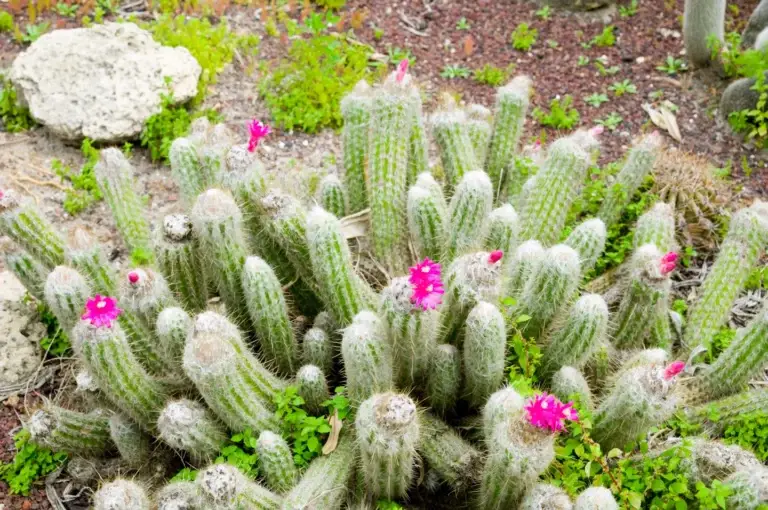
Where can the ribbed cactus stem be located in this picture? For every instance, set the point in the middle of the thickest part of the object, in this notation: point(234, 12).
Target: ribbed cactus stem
point(657, 227)
point(470, 206)
point(62, 430)
point(444, 378)
point(276, 460)
point(190, 427)
point(356, 109)
point(326, 482)
point(451, 133)
point(511, 108)
point(333, 196)
point(27, 227)
point(387, 434)
point(218, 224)
point(503, 405)
point(367, 357)
point(341, 289)
point(390, 131)
point(455, 460)
point(574, 341)
point(588, 239)
point(123, 380)
point(145, 293)
point(213, 151)
point(521, 265)
point(544, 496)
point(233, 383)
point(418, 143)
point(728, 408)
point(427, 222)
point(31, 273)
point(66, 292)
point(114, 176)
point(568, 383)
point(479, 128)
point(121, 495)
point(135, 446)
point(426, 181)
point(172, 329)
point(179, 260)
point(503, 229)
point(556, 187)
point(636, 168)
point(746, 239)
point(317, 349)
point(747, 489)
point(485, 339)
point(412, 332)
point(187, 170)
point(647, 285)
point(88, 257)
point(177, 496)
point(596, 498)
point(224, 487)
point(313, 388)
point(269, 315)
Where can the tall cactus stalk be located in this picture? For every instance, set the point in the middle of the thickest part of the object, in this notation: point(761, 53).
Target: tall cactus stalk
point(179, 261)
point(702, 21)
point(188, 426)
point(521, 265)
point(444, 379)
point(62, 430)
point(134, 444)
point(657, 227)
point(187, 170)
point(88, 257)
point(503, 405)
point(318, 349)
point(451, 133)
point(568, 383)
point(485, 340)
point(277, 462)
point(418, 143)
point(427, 223)
point(479, 128)
point(470, 206)
point(367, 357)
point(31, 273)
point(455, 460)
point(27, 227)
point(356, 109)
point(66, 292)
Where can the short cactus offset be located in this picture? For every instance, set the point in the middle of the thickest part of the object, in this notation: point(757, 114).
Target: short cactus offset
point(485, 340)
point(312, 388)
point(224, 487)
point(596, 498)
point(269, 315)
point(28, 271)
point(569, 383)
point(135, 446)
point(387, 434)
point(503, 230)
point(455, 460)
point(451, 133)
point(27, 227)
point(505, 404)
point(544, 496)
point(276, 461)
point(84, 434)
point(588, 239)
point(367, 357)
point(444, 378)
point(66, 292)
point(521, 265)
point(87, 256)
point(470, 206)
point(479, 128)
point(427, 222)
point(179, 260)
point(356, 110)
point(188, 426)
point(230, 379)
point(114, 176)
point(657, 227)
point(121, 495)
point(333, 196)
point(177, 496)
point(318, 349)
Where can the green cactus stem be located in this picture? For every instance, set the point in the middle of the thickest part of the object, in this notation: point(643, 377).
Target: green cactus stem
point(568, 383)
point(188, 426)
point(121, 495)
point(318, 349)
point(470, 206)
point(66, 292)
point(729, 408)
point(356, 110)
point(504, 404)
point(28, 271)
point(427, 222)
point(521, 265)
point(333, 196)
point(27, 227)
point(313, 388)
point(225, 487)
point(703, 22)
point(455, 460)
point(657, 227)
point(178, 258)
point(444, 379)
point(451, 133)
point(187, 170)
point(479, 128)
point(418, 143)
point(172, 329)
point(62, 430)
point(89, 258)
point(367, 357)
point(276, 460)
point(485, 340)
point(503, 230)
point(144, 293)
point(135, 446)
point(588, 239)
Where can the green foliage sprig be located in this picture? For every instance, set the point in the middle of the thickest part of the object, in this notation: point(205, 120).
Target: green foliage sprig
point(560, 116)
point(84, 191)
point(15, 117)
point(30, 464)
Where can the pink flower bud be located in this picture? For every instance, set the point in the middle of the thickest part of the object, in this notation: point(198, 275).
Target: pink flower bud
point(133, 277)
point(596, 131)
point(495, 256)
point(673, 369)
point(257, 131)
point(668, 262)
point(402, 70)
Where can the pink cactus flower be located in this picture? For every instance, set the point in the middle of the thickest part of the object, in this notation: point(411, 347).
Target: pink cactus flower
point(427, 285)
point(133, 277)
point(596, 131)
point(425, 271)
point(495, 256)
point(668, 262)
point(102, 311)
point(257, 131)
point(673, 369)
point(547, 412)
point(402, 70)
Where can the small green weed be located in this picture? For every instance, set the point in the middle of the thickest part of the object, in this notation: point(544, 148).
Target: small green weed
point(605, 39)
point(84, 190)
point(753, 122)
point(33, 32)
point(70, 11)
point(596, 99)
point(385, 504)
point(758, 278)
point(629, 10)
point(552, 43)
point(601, 64)
point(463, 24)
point(15, 117)
point(523, 37)
point(673, 65)
point(749, 431)
point(490, 75)
point(620, 88)
point(6, 22)
point(55, 342)
point(611, 122)
point(582, 61)
point(395, 54)
point(544, 13)
point(452, 71)
point(30, 464)
point(560, 116)
point(331, 4)
point(241, 452)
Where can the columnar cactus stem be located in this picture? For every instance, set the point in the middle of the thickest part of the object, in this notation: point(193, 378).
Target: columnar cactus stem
point(172, 329)
point(596, 498)
point(479, 128)
point(588, 239)
point(66, 292)
point(188, 426)
point(213, 152)
point(356, 109)
point(418, 147)
point(340, 288)
point(503, 405)
point(318, 349)
point(412, 333)
point(636, 168)
point(218, 224)
point(230, 379)
point(390, 131)
point(27, 227)
point(444, 379)
point(470, 206)
point(427, 222)
point(573, 342)
point(569, 382)
point(187, 170)
point(325, 483)
point(333, 196)
point(544, 496)
point(503, 230)
point(114, 176)
point(179, 260)
point(426, 181)
point(522, 264)
point(121, 495)
point(657, 227)
point(556, 187)
point(123, 380)
point(87, 257)
point(63, 430)
point(145, 293)
point(726, 409)
point(454, 459)
point(223, 486)
point(29, 272)
point(313, 388)
point(510, 111)
point(387, 435)
point(277, 462)
point(177, 496)
point(367, 357)
point(701, 22)
point(135, 445)
point(746, 239)
point(451, 133)
point(485, 339)
point(269, 315)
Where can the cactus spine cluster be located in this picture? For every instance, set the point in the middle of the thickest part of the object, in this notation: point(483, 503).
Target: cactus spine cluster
point(444, 380)
point(277, 462)
point(66, 292)
point(312, 388)
point(503, 230)
point(588, 239)
point(470, 206)
point(28, 271)
point(121, 495)
point(188, 426)
point(479, 129)
point(656, 227)
point(87, 257)
point(484, 343)
point(427, 218)
point(133, 443)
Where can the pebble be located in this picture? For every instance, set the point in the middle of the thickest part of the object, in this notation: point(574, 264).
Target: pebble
point(640, 60)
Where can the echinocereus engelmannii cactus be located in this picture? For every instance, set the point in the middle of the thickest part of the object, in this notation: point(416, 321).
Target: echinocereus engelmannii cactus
point(451, 132)
point(656, 226)
point(62, 430)
point(367, 356)
point(312, 388)
point(511, 108)
point(633, 172)
point(503, 229)
point(588, 239)
point(190, 427)
point(568, 383)
point(333, 196)
point(121, 495)
point(276, 460)
point(504, 404)
point(225, 487)
point(485, 339)
point(134, 444)
point(479, 128)
point(544, 496)
point(427, 222)
point(31, 273)
point(444, 378)
point(595, 498)
point(521, 265)
point(746, 239)
point(66, 292)
point(387, 435)
point(114, 176)
point(356, 109)
point(87, 256)
point(470, 206)
point(269, 315)
point(179, 260)
point(28, 228)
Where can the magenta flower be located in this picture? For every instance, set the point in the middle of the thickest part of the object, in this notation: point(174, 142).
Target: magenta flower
point(427, 285)
point(673, 369)
point(547, 412)
point(101, 311)
point(133, 277)
point(495, 256)
point(668, 263)
point(257, 131)
point(425, 271)
point(596, 131)
point(402, 70)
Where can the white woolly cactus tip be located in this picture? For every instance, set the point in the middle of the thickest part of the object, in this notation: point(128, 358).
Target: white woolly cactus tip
point(65, 280)
point(112, 163)
point(530, 250)
point(596, 226)
point(450, 115)
point(180, 416)
point(268, 440)
point(219, 483)
point(476, 181)
point(544, 496)
point(596, 498)
point(648, 262)
point(177, 496)
point(394, 411)
point(397, 294)
point(565, 257)
point(504, 404)
point(85, 382)
point(278, 204)
point(215, 205)
point(206, 353)
point(40, 424)
point(478, 112)
point(239, 158)
point(121, 495)
point(518, 88)
point(177, 227)
point(216, 324)
point(310, 373)
point(9, 199)
point(171, 320)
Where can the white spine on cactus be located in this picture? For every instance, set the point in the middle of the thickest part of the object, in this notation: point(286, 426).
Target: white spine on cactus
point(596, 498)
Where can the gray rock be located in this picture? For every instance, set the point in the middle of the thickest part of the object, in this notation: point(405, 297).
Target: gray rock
point(757, 22)
point(738, 96)
point(20, 333)
point(101, 82)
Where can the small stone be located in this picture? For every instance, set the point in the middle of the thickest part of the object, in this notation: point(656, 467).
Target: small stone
point(640, 60)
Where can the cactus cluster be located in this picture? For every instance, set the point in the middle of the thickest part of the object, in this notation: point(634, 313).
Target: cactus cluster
point(214, 325)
